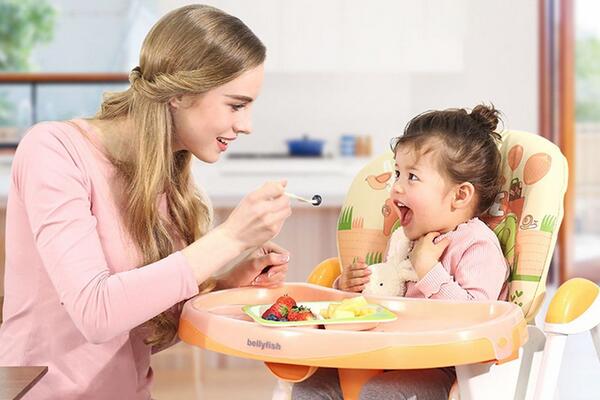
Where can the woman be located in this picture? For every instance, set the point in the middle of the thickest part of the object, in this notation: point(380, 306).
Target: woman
point(106, 235)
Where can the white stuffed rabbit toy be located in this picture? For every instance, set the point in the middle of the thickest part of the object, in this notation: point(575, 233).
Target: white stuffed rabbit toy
point(389, 278)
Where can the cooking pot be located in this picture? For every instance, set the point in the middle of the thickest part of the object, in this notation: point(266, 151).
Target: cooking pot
point(305, 147)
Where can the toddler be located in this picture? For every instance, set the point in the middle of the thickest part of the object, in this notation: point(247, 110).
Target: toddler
point(447, 173)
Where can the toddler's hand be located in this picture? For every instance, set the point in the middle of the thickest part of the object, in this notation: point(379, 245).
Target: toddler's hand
point(426, 253)
point(355, 276)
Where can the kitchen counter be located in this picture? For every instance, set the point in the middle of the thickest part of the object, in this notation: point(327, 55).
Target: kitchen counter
point(228, 181)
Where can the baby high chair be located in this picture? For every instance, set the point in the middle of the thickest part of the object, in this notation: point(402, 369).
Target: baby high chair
point(494, 350)
point(525, 216)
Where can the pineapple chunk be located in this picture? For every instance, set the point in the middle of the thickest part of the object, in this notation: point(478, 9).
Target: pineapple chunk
point(348, 308)
point(339, 314)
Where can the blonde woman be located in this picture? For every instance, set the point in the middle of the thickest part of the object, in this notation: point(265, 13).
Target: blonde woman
point(106, 234)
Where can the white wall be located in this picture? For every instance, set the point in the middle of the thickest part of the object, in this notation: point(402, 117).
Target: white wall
point(454, 54)
point(88, 37)
point(342, 65)
point(501, 65)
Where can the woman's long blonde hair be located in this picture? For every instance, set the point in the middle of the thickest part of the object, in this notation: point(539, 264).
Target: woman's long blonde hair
point(189, 51)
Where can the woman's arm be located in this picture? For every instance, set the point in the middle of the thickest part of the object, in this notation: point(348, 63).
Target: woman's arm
point(52, 182)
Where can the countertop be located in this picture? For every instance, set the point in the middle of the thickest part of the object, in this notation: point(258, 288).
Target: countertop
point(227, 181)
point(16, 381)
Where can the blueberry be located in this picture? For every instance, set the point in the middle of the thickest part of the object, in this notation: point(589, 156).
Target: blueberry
point(271, 317)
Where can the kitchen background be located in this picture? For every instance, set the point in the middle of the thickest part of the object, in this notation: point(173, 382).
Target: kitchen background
point(346, 72)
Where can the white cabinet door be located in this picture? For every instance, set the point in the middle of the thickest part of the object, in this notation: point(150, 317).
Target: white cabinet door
point(390, 36)
point(383, 36)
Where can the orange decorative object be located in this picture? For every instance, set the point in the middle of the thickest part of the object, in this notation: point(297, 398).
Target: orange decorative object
point(389, 217)
point(515, 154)
point(536, 167)
point(379, 182)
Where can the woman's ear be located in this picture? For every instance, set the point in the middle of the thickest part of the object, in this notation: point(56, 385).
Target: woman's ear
point(175, 102)
point(464, 195)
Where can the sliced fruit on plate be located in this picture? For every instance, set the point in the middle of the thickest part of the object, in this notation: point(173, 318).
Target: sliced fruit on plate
point(348, 308)
point(301, 313)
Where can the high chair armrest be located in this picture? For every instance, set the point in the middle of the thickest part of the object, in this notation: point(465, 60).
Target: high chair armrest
point(575, 307)
point(325, 273)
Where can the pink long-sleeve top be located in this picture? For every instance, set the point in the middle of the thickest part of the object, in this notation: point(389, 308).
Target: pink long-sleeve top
point(74, 297)
point(471, 268)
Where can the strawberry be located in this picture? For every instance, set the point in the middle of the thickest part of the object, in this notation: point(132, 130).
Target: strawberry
point(287, 301)
point(277, 312)
point(300, 313)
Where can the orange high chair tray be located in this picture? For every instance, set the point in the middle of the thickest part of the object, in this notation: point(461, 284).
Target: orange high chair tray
point(426, 334)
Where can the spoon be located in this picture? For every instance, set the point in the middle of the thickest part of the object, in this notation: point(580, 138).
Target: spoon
point(316, 199)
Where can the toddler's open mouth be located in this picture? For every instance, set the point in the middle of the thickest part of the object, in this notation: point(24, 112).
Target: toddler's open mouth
point(404, 212)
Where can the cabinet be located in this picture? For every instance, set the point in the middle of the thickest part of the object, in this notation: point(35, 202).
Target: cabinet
point(309, 234)
point(348, 36)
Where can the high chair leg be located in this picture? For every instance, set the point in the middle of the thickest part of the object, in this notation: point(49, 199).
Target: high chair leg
point(488, 380)
point(531, 358)
point(595, 332)
point(454, 392)
point(550, 368)
point(352, 381)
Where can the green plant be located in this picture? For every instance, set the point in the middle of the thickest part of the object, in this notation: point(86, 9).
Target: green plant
point(23, 25)
point(587, 79)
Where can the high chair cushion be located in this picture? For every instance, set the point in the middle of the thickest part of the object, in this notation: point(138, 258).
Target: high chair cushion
point(527, 213)
point(525, 216)
point(366, 220)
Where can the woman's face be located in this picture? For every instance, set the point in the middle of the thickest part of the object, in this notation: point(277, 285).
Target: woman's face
point(206, 125)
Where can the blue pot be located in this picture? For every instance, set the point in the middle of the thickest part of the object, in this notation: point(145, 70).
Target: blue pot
point(305, 147)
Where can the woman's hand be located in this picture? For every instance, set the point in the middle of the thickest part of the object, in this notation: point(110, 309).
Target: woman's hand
point(265, 267)
point(426, 253)
point(259, 216)
point(354, 277)
point(256, 220)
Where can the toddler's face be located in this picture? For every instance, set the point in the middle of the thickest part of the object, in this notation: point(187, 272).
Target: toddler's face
point(421, 195)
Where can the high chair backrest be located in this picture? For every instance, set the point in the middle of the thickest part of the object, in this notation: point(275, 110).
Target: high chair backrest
point(525, 216)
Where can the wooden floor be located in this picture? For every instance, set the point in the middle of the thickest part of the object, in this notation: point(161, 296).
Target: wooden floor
point(183, 372)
